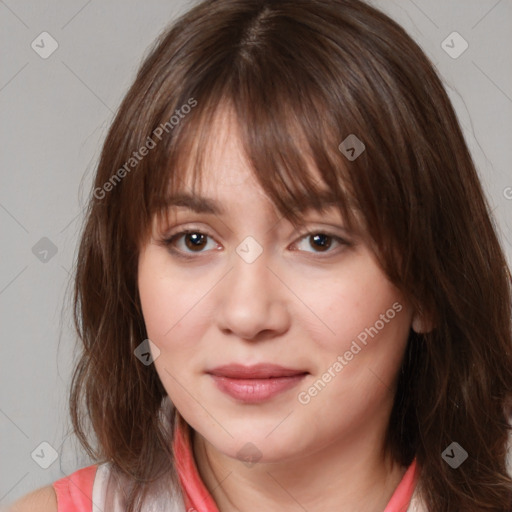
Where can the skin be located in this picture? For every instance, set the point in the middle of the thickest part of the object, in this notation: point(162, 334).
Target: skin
point(296, 306)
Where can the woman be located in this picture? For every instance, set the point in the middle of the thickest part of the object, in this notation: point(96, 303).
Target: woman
point(289, 289)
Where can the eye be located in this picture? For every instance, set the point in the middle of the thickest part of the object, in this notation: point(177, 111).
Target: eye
point(188, 241)
point(320, 241)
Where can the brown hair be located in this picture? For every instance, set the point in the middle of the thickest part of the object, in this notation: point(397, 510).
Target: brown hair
point(301, 76)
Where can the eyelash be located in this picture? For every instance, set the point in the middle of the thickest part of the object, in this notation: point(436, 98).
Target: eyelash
point(170, 240)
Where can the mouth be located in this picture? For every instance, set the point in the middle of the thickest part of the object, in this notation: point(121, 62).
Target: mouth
point(257, 371)
point(257, 383)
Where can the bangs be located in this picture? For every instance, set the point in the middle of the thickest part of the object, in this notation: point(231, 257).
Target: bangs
point(290, 145)
point(295, 96)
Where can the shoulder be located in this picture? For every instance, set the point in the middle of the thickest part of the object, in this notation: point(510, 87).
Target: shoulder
point(42, 500)
point(72, 492)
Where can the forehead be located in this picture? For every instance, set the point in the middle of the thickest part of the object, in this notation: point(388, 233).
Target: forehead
point(219, 206)
point(219, 170)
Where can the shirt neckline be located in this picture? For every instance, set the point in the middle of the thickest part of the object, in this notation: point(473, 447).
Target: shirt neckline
point(198, 498)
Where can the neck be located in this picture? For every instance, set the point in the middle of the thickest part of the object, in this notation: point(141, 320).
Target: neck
point(348, 475)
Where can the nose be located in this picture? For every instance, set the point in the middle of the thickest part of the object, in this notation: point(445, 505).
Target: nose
point(252, 302)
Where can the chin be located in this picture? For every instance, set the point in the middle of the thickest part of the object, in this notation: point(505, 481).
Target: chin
point(253, 443)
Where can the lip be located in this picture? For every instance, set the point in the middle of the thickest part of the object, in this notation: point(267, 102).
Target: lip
point(257, 371)
point(257, 383)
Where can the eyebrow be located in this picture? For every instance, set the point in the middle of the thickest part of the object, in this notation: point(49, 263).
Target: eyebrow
point(201, 204)
point(196, 203)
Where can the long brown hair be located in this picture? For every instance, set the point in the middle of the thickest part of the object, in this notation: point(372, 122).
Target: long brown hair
point(301, 76)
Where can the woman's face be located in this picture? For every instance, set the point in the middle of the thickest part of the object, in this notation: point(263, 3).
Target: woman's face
point(244, 288)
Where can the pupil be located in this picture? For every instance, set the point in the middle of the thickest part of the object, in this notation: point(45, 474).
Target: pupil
point(196, 240)
point(322, 240)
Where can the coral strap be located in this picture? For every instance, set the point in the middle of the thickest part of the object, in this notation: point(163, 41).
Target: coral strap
point(74, 492)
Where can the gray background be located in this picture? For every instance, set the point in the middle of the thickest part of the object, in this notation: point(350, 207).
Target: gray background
point(55, 113)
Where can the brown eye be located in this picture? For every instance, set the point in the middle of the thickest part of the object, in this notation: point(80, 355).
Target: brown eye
point(195, 241)
point(188, 242)
point(320, 241)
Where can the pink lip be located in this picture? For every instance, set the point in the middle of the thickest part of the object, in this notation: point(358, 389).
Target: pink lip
point(252, 384)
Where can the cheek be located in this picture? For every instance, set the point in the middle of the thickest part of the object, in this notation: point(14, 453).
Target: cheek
point(161, 307)
point(168, 298)
point(358, 313)
point(175, 318)
point(355, 365)
point(154, 308)
point(158, 306)
point(169, 327)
